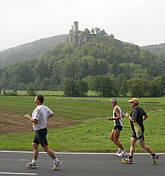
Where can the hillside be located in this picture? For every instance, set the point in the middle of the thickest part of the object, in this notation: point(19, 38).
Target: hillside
point(103, 55)
point(156, 49)
point(30, 50)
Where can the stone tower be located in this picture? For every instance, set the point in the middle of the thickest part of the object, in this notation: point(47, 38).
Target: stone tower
point(76, 36)
point(75, 33)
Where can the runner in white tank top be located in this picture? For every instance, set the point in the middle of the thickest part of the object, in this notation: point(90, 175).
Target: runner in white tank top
point(117, 122)
point(115, 133)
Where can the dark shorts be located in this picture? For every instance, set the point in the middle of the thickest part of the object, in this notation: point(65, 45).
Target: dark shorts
point(140, 138)
point(40, 137)
point(118, 128)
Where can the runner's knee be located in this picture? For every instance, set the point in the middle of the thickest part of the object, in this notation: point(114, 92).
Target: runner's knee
point(111, 138)
point(132, 143)
point(35, 146)
point(116, 140)
point(45, 147)
point(144, 146)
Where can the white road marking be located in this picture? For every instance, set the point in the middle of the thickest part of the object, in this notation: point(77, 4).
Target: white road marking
point(73, 153)
point(11, 159)
point(13, 173)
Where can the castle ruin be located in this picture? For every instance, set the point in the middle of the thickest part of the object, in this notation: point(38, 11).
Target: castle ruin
point(76, 36)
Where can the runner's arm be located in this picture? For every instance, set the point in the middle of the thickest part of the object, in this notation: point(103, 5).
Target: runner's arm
point(145, 117)
point(115, 118)
point(51, 115)
point(130, 118)
point(117, 114)
point(34, 121)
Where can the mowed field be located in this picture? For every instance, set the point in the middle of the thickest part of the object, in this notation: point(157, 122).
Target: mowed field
point(80, 124)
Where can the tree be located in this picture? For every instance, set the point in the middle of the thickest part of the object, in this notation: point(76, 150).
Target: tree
point(138, 87)
point(75, 88)
point(160, 80)
point(103, 85)
point(81, 88)
point(124, 89)
point(69, 88)
point(41, 69)
point(31, 90)
point(44, 84)
point(21, 86)
point(156, 90)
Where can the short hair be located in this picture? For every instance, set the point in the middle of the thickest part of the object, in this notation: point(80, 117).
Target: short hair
point(114, 100)
point(40, 98)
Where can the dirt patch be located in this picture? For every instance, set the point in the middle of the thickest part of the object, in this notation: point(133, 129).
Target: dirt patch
point(11, 122)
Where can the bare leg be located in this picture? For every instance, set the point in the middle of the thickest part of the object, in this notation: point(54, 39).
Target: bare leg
point(35, 151)
point(116, 139)
point(115, 134)
point(146, 147)
point(132, 145)
point(49, 152)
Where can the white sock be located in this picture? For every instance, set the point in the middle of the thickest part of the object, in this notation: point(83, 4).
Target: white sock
point(56, 160)
point(34, 161)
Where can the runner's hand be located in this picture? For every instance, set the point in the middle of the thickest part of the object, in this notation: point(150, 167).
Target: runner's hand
point(27, 116)
point(109, 118)
point(127, 115)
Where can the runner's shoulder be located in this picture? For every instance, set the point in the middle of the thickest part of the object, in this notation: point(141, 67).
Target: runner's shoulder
point(117, 109)
point(140, 109)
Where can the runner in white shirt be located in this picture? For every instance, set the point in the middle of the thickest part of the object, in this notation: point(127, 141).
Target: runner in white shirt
point(39, 119)
point(115, 133)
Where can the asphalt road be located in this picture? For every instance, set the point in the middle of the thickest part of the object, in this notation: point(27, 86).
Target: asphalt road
point(80, 165)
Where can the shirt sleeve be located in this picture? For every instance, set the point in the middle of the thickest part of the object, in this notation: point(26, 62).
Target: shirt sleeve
point(144, 113)
point(134, 114)
point(36, 114)
point(49, 112)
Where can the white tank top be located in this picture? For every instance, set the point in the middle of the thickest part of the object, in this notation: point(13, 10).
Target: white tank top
point(119, 121)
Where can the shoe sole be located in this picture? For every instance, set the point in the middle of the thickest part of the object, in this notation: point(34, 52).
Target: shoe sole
point(31, 167)
point(155, 161)
point(126, 162)
point(125, 155)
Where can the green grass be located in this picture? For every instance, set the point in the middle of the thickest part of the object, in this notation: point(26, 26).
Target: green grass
point(46, 93)
point(93, 133)
point(54, 93)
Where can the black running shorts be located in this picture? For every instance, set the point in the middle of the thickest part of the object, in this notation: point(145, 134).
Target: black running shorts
point(140, 138)
point(40, 137)
point(118, 127)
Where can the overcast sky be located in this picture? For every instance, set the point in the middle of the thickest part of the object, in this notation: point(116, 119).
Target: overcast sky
point(136, 21)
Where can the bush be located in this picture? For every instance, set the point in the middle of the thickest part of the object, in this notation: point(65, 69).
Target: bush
point(138, 87)
point(81, 88)
point(31, 91)
point(11, 93)
point(103, 85)
point(75, 88)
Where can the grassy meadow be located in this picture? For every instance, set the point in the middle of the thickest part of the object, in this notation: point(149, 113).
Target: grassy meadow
point(91, 134)
point(55, 93)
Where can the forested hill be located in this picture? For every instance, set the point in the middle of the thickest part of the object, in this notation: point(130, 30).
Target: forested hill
point(103, 55)
point(29, 50)
point(157, 49)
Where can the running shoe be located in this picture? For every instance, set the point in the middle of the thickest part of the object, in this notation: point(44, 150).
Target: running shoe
point(57, 165)
point(118, 152)
point(31, 165)
point(122, 154)
point(155, 159)
point(127, 161)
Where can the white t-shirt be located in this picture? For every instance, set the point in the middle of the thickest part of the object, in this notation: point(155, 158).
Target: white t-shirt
point(41, 114)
